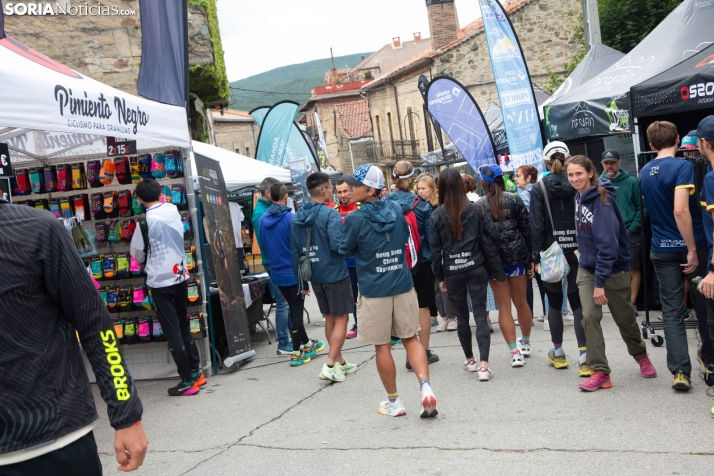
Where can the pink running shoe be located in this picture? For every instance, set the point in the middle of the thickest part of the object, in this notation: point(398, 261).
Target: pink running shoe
point(352, 334)
point(597, 381)
point(646, 368)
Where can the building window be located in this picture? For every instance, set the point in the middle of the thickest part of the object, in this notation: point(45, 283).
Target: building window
point(389, 124)
point(379, 128)
point(368, 75)
point(237, 150)
point(247, 151)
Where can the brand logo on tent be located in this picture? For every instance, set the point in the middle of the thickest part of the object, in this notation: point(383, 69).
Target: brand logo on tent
point(522, 75)
point(619, 118)
point(515, 98)
point(456, 92)
point(504, 49)
point(583, 119)
point(706, 61)
point(705, 92)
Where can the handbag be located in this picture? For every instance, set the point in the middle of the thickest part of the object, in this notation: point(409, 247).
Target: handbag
point(492, 257)
point(553, 265)
point(304, 265)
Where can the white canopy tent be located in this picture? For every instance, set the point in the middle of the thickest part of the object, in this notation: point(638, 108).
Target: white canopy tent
point(238, 170)
point(50, 111)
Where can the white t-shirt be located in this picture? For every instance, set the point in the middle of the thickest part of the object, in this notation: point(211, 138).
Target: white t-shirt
point(165, 266)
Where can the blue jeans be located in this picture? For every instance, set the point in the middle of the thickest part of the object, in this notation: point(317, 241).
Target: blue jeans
point(671, 291)
point(283, 326)
point(564, 307)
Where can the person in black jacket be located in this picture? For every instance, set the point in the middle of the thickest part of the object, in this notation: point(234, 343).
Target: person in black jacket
point(458, 263)
point(510, 216)
point(560, 196)
point(46, 406)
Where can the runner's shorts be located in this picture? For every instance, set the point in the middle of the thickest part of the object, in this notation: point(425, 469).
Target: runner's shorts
point(335, 299)
point(383, 317)
point(513, 271)
point(635, 249)
point(424, 286)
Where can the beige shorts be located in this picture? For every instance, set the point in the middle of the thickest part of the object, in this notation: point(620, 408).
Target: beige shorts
point(381, 318)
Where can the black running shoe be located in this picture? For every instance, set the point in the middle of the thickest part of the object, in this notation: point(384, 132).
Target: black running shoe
point(184, 388)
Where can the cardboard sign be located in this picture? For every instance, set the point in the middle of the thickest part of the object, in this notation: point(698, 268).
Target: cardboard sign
point(117, 146)
point(5, 165)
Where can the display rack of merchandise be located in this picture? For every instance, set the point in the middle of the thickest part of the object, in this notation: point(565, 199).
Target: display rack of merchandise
point(97, 196)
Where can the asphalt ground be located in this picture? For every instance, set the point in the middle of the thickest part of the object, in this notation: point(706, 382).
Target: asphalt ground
point(270, 418)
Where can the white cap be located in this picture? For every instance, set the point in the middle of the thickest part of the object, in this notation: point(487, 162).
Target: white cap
point(554, 147)
point(366, 174)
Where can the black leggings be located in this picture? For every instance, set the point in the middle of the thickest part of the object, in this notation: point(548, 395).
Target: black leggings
point(541, 290)
point(296, 302)
point(475, 283)
point(555, 303)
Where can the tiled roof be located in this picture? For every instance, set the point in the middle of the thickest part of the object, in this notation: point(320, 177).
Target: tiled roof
point(231, 114)
point(387, 58)
point(510, 6)
point(353, 119)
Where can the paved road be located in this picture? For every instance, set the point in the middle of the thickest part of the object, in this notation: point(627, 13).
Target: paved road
point(269, 418)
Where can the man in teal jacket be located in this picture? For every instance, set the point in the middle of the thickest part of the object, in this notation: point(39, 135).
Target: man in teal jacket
point(628, 201)
point(282, 314)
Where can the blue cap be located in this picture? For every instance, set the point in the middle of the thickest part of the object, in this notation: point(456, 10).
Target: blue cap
point(489, 172)
point(705, 130)
point(689, 141)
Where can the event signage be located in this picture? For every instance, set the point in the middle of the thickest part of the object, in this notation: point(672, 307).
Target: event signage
point(515, 90)
point(5, 164)
point(5, 190)
point(65, 101)
point(117, 146)
point(458, 114)
point(321, 144)
point(299, 170)
point(223, 257)
point(423, 87)
point(299, 145)
point(275, 133)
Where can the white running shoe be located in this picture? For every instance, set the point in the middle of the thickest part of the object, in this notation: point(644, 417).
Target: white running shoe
point(334, 374)
point(524, 348)
point(393, 409)
point(517, 360)
point(540, 319)
point(546, 325)
point(428, 402)
point(568, 319)
point(471, 365)
point(484, 374)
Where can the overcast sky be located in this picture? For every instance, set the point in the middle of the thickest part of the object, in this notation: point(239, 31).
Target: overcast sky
point(265, 34)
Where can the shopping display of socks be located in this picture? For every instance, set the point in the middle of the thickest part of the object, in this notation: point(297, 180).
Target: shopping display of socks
point(97, 198)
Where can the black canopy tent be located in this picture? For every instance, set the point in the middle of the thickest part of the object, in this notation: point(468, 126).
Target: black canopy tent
point(602, 106)
point(684, 94)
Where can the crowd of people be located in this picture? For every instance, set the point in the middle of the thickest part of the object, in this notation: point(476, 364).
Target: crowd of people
point(435, 247)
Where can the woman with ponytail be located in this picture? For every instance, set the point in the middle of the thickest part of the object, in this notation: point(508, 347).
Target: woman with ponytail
point(553, 193)
point(604, 271)
point(510, 216)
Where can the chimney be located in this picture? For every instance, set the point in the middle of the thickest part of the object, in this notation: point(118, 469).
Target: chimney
point(417, 36)
point(443, 22)
point(396, 42)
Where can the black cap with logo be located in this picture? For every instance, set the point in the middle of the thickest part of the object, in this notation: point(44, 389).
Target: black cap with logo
point(610, 155)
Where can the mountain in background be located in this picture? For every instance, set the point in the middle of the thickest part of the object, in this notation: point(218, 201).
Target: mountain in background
point(292, 82)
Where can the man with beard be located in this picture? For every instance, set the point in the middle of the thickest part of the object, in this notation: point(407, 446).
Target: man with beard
point(628, 201)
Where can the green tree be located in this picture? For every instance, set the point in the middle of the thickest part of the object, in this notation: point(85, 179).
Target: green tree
point(624, 23)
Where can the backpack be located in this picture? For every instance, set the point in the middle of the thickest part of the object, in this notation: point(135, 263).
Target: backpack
point(304, 265)
point(414, 253)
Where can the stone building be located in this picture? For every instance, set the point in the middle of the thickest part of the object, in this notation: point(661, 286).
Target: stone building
point(235, 131)
point(108, 47)
point(401, 126)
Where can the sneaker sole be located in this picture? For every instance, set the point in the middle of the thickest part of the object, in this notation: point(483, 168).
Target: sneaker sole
point(327, 377)
point(584, 374)
point(200, 382)
point(518, 364)
point(400, 413)
point(428, 407)
point(681, 387)
point(187, 393)
point(605, 385)
point(484, 379)
point(558, 365)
